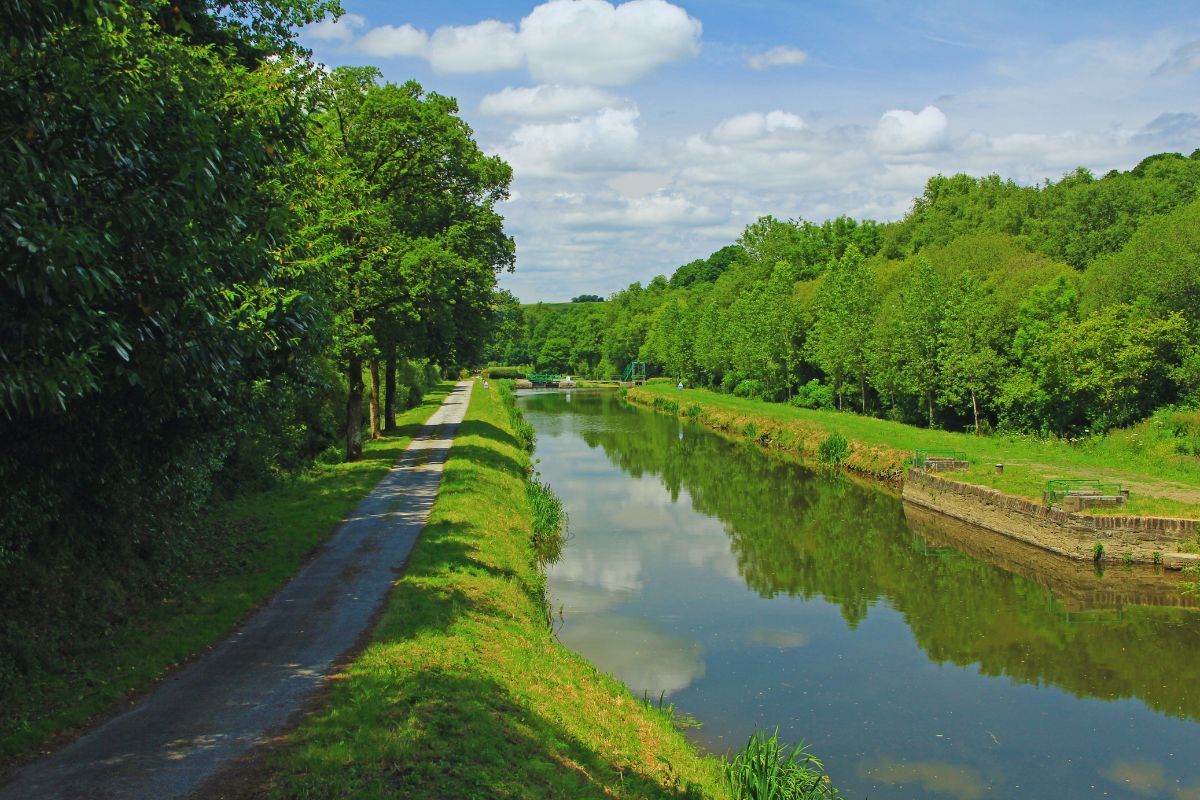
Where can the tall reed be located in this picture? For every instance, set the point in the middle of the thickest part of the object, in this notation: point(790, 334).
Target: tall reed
point(765, 769)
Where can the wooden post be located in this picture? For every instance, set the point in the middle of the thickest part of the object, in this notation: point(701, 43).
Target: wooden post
point(999, 469)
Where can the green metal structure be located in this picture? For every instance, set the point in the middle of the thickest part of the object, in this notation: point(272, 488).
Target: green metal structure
point(634, 373)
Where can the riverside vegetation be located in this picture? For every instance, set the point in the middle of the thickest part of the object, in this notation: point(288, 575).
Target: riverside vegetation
point(155, 367)
point(1065, 309)
point(1143, 458)
point(464, 691)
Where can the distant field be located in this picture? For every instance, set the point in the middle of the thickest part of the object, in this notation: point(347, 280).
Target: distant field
point(1142, 459)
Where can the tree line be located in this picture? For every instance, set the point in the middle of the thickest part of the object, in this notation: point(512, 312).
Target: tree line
point(220, 261)
point(1067, 307)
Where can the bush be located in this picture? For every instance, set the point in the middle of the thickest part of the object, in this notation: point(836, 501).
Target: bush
point(693, 411)
point(730, 381)
point(813, 394)
point(501, 373)
point(834, 450)
point(750, 388)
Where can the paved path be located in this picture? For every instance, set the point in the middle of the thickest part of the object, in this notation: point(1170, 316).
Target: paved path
point(251, 684)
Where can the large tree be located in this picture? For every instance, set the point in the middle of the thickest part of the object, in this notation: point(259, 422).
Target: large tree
point(403, 237)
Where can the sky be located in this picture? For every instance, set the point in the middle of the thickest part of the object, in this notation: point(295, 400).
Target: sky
point(645, 134)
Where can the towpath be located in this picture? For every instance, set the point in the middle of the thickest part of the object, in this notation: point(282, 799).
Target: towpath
point(256, 681)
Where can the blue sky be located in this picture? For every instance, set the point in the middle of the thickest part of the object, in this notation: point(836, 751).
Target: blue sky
point(648, 133)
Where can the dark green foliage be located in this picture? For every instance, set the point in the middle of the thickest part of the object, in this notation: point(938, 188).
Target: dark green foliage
point(587, 298)
point(498, 373)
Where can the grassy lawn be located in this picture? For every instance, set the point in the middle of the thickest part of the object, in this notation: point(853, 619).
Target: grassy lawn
point(264, 536)
point(1141, 459)
point(463, 691)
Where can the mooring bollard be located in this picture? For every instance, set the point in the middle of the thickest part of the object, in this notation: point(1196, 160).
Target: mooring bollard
point(999, 469)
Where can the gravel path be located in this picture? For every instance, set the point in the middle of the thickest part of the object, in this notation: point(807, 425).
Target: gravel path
point(254, 682)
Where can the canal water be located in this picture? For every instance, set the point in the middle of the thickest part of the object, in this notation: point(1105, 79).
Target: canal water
point(919, 658)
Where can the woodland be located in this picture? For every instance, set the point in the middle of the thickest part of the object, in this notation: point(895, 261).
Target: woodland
point(1065, 308)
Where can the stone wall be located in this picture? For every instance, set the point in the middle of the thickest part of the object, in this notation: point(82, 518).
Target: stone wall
point(1069, 534)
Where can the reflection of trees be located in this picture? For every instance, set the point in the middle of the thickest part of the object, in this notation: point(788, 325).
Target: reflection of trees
point(803, 534)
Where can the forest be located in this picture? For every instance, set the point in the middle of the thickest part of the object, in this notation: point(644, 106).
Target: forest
point(221, 263)
point(1065, 308)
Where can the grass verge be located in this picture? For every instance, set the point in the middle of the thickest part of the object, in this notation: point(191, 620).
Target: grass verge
point(463, 690)
point(260, 540)
point(1161, 482)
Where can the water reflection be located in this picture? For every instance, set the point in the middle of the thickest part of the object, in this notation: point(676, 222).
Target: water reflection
point(907, 646)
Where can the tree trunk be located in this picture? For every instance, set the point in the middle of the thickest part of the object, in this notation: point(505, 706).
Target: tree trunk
point(929, 398)
point(389, 389)
point(354, 444)
point(376, 432)
point(975, 409)
point(862, 388)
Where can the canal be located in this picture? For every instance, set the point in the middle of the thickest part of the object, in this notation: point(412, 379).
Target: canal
point(919, 658)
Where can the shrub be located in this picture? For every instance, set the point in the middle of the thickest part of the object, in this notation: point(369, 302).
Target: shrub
point(813, 394)
point(693, 411)
point(767, 770)
point(501, 373)
point(834, 450)
point(750, 388)
point(730, 381)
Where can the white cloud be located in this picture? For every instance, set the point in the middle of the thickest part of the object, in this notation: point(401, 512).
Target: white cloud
point(592, 41)
point(387, 41)
point(340, 31)
point(561, 41)
point(755, 125)
point(777, 57)
point(546, 102)
point(657, 211)
point(486, 46)
point(602, 142)
point(900, 131)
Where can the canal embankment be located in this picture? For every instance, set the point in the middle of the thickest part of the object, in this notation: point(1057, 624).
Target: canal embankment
point(1005, 500)
point(463, 689)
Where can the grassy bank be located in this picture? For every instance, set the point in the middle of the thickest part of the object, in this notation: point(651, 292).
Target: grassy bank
point(257, 542)
point(463, 690)
point(1162, 482)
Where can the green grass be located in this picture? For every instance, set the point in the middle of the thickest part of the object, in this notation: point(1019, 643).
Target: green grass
point(266, 536)
point(463, 690)
point(1144, 459)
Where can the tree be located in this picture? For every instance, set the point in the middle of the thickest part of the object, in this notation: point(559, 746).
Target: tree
point(844, 310)
point(403, 239)
point(920, 313)
point(141, 301)
point(968, 362)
